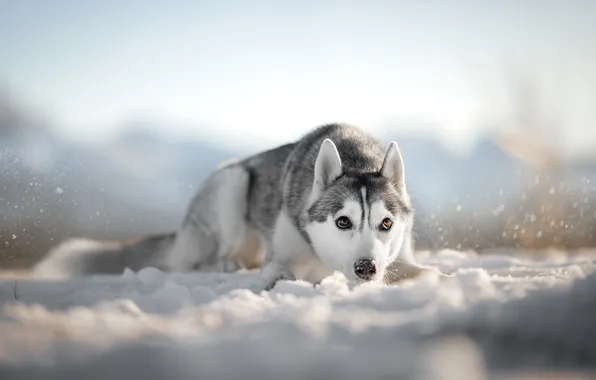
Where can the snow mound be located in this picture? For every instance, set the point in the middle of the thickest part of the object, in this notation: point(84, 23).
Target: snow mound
point(497, 313)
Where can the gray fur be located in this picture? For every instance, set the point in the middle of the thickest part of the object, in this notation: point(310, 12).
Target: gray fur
point(265, 198)
point(233, 220)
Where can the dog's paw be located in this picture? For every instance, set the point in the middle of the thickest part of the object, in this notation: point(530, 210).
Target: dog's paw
point(274, 272)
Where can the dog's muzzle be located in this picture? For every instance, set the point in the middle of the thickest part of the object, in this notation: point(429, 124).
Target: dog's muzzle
point(365, 269)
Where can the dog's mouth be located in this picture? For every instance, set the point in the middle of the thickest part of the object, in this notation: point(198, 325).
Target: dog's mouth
point(376, 279)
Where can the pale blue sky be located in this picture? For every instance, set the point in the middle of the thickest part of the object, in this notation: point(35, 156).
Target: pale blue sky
point(269, 70)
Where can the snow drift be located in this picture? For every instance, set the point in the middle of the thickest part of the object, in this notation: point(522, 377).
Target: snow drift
point(498, 313)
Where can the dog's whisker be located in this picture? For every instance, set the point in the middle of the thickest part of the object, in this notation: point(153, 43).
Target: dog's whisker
point(394, 274)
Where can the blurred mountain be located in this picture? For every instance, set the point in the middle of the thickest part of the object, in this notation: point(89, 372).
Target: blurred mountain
point(436, 177)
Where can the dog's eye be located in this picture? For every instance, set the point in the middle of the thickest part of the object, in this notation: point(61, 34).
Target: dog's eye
point(386, 224)
point(343, 222)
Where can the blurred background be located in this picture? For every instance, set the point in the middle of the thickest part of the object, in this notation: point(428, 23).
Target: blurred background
point(112, 112)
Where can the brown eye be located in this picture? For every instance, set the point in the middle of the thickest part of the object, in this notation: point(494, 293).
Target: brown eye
point(343, 223)
point(386, 224)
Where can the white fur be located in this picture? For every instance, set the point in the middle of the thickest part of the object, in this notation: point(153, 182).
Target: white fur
point(391, 242)
point(288, 244)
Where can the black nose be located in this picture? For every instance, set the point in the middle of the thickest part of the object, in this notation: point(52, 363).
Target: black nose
point(365, 269)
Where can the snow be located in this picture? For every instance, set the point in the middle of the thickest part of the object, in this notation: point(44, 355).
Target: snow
point(498, 312)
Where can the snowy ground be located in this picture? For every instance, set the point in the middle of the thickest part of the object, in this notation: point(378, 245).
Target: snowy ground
point(496, 314)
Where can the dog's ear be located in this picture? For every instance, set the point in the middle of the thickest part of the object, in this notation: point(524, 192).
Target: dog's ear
point(393, 167)
point(327, 166)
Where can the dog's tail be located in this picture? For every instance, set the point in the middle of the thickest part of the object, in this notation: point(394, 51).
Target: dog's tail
point(80, 257)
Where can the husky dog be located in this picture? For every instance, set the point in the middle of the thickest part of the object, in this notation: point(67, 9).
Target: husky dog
point(335, 200)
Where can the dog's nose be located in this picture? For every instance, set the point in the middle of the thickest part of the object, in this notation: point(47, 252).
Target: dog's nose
point(365, 269)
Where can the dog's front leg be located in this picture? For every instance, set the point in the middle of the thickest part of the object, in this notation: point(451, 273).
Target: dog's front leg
point(285, 248)
point(273, 272)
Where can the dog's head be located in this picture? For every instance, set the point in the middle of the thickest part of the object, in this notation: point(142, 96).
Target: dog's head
point(357, 222)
